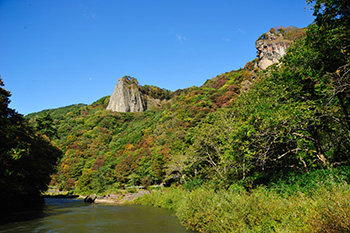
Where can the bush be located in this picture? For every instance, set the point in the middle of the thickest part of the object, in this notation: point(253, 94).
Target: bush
point(261, 210)
point(169, 198)
point(193, 184)
point(332, 209)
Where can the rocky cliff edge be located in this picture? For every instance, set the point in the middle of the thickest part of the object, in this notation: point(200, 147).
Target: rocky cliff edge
point(273, 45)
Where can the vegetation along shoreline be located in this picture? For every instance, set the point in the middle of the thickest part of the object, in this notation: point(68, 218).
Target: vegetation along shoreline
point(264, 148)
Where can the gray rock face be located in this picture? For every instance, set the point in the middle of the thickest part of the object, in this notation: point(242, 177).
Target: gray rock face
point(271, 48)
point(127, 97)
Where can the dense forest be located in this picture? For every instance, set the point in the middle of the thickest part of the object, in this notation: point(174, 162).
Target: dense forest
point(245, 126)
point(249, 150)
point(105, 150)
point(27, 159)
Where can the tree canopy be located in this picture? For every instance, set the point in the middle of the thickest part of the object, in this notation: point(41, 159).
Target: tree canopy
point(27, 159)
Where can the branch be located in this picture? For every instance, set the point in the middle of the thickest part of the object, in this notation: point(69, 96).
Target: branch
point(293, 150)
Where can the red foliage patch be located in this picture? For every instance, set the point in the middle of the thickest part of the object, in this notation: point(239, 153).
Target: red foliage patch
point(226, 98)
point(98, 163)
point(220, 82)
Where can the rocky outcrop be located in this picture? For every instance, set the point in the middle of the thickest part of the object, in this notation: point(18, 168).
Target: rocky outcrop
point(128, 97)
point(273, 45)
point(90, 198)
point(271, 48)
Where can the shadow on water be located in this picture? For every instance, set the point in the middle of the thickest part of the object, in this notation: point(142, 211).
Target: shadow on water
point(52, 205)
point(73, 215)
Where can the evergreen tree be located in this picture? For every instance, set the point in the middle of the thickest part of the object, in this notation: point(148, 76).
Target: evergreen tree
point(44, 125)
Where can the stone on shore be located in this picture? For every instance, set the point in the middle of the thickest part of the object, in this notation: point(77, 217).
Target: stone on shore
point(90, 198)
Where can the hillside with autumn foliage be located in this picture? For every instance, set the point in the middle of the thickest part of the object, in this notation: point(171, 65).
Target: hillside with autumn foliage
point(265, 148)
point(246, 126)
point(105, 150)
point(249, 150)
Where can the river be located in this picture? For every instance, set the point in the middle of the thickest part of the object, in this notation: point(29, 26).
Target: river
point(73, 215)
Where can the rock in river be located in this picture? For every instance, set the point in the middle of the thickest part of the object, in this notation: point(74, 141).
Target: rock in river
point(90, 198)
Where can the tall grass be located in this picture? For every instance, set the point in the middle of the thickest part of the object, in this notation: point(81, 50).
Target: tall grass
point(331, 212)
point(325, 208)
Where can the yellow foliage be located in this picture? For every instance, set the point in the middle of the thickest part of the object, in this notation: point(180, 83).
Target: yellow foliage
point(128, 147)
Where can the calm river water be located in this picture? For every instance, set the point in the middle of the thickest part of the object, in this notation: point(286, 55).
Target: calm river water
point(73, 215)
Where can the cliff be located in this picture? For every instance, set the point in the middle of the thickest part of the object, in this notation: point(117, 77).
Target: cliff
point(273, 45)
point(128, 97)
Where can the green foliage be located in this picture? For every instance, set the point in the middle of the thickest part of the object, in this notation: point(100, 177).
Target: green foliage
point(192, 184)
point(44, 125)
point(240, 130)
point(284, 34)
point(131, 80)
point(291, 33)
point(331, 211)
point(156, 92)
point(56, 113)
point(294, 118)
point(171, 199)
point(331, 12)
point(261, 209)
point(102, 148)
point(27, 159)
point(291, 183)
point(241, 126)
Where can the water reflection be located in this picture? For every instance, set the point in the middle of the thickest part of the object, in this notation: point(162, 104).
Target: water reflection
point(73, 215)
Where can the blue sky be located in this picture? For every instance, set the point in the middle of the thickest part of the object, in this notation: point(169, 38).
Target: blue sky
point(61, 52)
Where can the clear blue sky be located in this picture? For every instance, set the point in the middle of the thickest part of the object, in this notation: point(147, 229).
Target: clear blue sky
point(61, 52)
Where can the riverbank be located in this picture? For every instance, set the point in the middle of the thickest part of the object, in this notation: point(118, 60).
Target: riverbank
point(121, 197)
point(318, 201)
point(260, 210)
point(307, 204)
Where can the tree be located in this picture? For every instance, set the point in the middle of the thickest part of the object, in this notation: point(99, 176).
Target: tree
point(331, 12)
point(44, 125)
point(27, 159)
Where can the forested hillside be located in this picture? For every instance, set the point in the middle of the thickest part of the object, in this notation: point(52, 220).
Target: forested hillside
point(286, 128)
point(244, 126)
point(107, 150)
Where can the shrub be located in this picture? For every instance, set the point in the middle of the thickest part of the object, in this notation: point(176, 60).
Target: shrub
point(332, 209)
point(261, 210)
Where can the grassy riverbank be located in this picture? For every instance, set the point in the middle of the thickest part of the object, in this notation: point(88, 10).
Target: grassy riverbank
point(316, 202)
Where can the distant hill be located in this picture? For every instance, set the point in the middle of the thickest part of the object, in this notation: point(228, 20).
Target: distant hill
point(57, 111)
